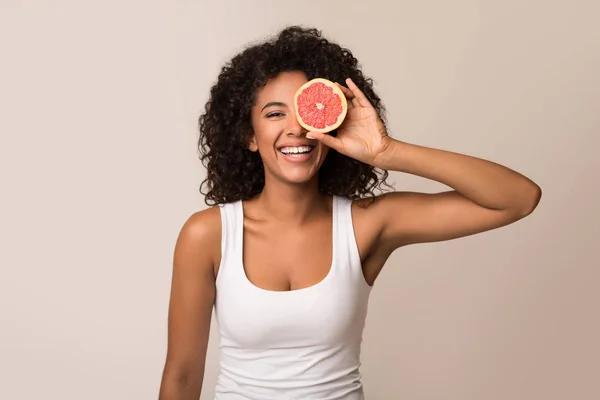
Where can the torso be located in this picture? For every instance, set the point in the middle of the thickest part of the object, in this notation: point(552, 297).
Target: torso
point(291, 304)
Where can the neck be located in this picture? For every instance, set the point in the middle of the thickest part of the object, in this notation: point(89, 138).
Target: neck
point(291, 203)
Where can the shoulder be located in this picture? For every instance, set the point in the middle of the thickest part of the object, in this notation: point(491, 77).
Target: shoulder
point(371, 217)
point(202, 225)
point(372, 214)
point(374, 208)
point(379, 206)
point(200, 238)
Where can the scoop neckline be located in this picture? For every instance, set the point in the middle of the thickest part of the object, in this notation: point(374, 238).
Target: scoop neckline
point(322, 282)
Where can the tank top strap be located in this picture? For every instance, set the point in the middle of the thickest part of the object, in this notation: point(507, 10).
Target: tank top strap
point(231, 221)
point(346, 247)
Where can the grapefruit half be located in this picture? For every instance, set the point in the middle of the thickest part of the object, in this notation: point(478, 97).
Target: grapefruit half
point(320, 105)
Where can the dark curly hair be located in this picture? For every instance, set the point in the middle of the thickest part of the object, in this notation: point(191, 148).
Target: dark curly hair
point(236, 173)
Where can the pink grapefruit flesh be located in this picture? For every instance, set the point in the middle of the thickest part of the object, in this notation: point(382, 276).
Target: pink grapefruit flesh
point(320, 105)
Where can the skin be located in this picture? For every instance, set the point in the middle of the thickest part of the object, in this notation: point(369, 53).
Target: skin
point(484, 196)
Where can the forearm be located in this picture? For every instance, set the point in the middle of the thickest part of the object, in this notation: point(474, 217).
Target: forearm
point(173, 388)
point(486, 183)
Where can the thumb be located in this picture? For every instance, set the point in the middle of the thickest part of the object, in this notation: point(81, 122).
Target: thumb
point(326, 139)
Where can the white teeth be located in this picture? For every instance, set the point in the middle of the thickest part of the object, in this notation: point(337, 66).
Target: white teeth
point(295, 150)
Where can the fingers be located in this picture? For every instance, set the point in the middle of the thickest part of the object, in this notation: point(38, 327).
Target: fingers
point(326, 139)
point(351, 99)
point(358, 94)
point(354, 95)
point(347, 92)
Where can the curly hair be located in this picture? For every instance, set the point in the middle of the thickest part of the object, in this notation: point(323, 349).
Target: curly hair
point(236, 173)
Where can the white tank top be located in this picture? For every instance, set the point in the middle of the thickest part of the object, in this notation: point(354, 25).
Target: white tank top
point(286, 345)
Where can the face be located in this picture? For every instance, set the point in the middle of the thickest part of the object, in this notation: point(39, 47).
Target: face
point(286, 153)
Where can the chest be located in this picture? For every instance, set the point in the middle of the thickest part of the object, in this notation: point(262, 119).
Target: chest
point(283, 258)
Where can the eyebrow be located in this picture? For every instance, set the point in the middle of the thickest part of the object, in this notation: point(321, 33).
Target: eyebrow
point(274, 103)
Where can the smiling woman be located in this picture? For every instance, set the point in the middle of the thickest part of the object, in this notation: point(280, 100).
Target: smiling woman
point(290, 252)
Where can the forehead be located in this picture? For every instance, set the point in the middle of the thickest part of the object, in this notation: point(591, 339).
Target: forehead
point(283, 87)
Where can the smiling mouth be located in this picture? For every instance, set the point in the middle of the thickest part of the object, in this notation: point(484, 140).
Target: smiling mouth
point(298, 151)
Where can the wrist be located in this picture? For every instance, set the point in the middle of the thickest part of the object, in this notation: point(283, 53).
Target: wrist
point(390, 158)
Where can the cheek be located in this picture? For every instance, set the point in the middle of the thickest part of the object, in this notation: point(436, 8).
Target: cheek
point(263, 143)
point(266, 134)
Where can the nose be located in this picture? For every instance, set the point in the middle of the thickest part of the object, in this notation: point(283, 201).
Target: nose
point(294, 128)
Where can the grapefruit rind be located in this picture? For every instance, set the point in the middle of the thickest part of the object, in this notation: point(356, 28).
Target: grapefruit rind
point(337, 91)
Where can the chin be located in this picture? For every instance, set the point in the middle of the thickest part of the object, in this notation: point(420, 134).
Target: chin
point(298, 178)
point(299, 174)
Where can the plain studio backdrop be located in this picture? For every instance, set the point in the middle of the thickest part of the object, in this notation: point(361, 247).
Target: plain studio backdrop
point(98, 114)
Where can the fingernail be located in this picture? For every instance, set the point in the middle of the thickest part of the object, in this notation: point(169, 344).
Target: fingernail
point(308, 136)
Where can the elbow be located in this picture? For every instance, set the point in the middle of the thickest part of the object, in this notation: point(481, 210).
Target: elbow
point(180, 383)
point(530, 201)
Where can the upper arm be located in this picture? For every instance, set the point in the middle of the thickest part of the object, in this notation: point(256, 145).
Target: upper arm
point(191, 299)
point(408, 218)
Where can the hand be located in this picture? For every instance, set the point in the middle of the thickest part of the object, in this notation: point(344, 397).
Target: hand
point(362, 135)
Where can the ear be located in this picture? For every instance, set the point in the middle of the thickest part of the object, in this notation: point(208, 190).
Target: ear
point(252, 145)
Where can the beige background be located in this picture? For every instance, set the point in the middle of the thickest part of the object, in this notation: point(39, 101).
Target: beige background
point(98, 104)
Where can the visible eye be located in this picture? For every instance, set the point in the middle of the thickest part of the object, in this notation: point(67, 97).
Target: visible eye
point(275, 114)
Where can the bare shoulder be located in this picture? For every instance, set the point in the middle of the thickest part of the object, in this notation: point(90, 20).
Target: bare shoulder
point(200, 237)
point(372, 218)
point(202, 224)
point(370, 214)
point(374, 208)
point(373, 215)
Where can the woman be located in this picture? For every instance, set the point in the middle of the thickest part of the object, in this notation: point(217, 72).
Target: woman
point(290, 252)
